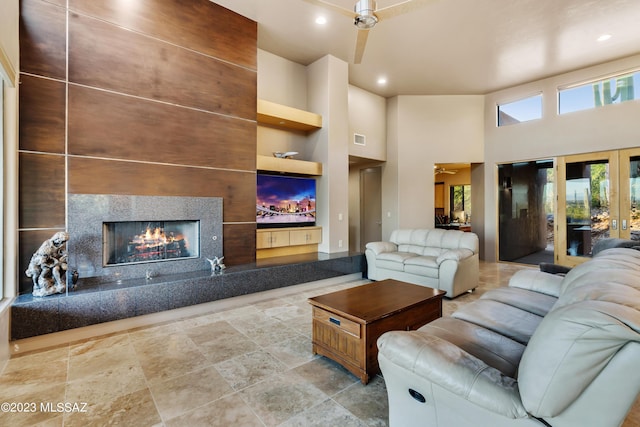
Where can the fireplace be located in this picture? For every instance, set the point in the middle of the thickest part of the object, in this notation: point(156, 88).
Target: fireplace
point(128, 242)
point(115, 237)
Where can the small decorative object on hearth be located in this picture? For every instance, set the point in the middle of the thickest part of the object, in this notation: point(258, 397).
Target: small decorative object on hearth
point(216, 264)
point(48, 266)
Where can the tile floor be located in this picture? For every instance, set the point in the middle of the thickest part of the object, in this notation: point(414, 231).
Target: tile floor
point(247, 366)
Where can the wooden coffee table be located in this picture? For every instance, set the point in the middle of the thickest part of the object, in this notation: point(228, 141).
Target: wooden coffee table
point(347, 323)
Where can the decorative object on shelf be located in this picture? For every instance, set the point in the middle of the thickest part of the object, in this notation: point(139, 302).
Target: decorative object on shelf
point(216, 264)
point(285, 155)
point(48, 266)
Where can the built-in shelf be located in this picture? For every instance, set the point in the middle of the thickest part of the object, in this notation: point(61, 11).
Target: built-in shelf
point(286, 117)
point(274, 242)
point(276, 164)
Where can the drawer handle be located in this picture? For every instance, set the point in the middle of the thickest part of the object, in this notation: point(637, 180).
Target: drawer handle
point(334, 321)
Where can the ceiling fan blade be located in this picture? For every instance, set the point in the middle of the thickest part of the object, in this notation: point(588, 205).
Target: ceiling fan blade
point(401, 8)
point(347, 12)
point(361, 42)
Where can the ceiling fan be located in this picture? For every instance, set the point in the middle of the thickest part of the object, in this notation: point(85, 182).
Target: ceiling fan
point(438, 170)
point(365, 16)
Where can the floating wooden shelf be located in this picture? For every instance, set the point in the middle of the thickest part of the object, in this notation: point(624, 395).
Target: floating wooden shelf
point(276, 164)
point(285, 117)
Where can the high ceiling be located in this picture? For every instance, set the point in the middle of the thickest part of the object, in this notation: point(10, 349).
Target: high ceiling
point(452, 46)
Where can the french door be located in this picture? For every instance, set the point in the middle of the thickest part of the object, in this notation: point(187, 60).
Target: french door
point(598, 197)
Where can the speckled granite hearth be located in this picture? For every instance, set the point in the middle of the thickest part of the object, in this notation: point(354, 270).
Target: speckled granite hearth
point(98, 303)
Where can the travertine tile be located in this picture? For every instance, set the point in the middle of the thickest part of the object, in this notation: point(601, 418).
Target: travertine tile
point(328, 413)
point(293, 352)
point(133, 409)
point(34, 397)
point(181, 394)
point(170, 356)
point(107, 385)
point(326, 375)
point(368, 403)
point(30, 379)
point(228, 411)
point(100, 358)
point(282, 397)
point(249, 368)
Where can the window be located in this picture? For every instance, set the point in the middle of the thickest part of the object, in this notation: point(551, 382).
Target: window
point(460, 203)
point(523, 110)
point(612, 90)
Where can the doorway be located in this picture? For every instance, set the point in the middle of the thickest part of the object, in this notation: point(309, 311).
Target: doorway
point(526, 212)
point(452, 196)
point(370, 206)
point(598, 196)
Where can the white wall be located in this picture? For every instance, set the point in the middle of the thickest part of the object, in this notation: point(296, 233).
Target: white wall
point(610, 127)
point(283, 82)
point(367, 116)
point(327, 91)
point(422, 131)
point(9, 54)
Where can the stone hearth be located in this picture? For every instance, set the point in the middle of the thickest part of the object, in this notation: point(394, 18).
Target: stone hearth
point(92, 303)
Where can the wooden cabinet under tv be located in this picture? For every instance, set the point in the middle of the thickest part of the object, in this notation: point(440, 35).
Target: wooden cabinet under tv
point(272, 242)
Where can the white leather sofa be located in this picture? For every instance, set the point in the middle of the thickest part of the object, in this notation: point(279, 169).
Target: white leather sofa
point(440, 259)
point(547, 350)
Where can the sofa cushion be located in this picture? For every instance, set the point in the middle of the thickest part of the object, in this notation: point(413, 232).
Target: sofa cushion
point(394, 260)
point(537, 281)
point(514, 323)
point(410, 240)
point(493, 349)
point(422, 265)
point(531, 301)
point(606, 263)
point(573, 344)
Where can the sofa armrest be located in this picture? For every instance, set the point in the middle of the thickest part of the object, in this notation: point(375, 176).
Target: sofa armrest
point(379, 247)
point(440, 362)
point(537, 281)
point(454, 254)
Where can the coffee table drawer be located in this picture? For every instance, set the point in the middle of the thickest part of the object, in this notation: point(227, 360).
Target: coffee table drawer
point(339, 322)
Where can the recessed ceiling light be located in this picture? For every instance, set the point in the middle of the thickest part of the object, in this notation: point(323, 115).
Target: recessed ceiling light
point(321, 20)
point(604, 37)
point(382, 80)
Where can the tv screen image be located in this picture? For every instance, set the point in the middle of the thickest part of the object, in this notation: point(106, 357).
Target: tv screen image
point(285, 201)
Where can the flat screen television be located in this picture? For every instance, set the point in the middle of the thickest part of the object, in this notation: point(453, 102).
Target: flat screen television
point(285, 201)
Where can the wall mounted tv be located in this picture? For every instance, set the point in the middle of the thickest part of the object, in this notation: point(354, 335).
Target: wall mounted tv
point(285, 201)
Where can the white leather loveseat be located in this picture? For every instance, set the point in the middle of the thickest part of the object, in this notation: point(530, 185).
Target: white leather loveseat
point(547, 351)
point(441, 259)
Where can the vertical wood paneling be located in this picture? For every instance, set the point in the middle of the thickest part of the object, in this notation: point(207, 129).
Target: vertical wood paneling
point(195, 57)
point(43, 39)
point(149, 68)
point(197, 24)
point(41, 191)
point(42, 114)
point(239, 243)
point(110, 125)
point(96, 176)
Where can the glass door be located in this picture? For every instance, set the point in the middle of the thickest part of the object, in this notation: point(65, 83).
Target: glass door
point(630, 194)
point(588, 206)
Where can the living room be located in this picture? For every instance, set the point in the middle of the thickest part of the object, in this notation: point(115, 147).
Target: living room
point(418, 132)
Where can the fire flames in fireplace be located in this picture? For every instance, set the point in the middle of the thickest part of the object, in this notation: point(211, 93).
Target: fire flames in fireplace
point(154, 244)
point(133, 242)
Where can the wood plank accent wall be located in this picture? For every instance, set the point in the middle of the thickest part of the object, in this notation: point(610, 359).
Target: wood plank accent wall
point(153, 97)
